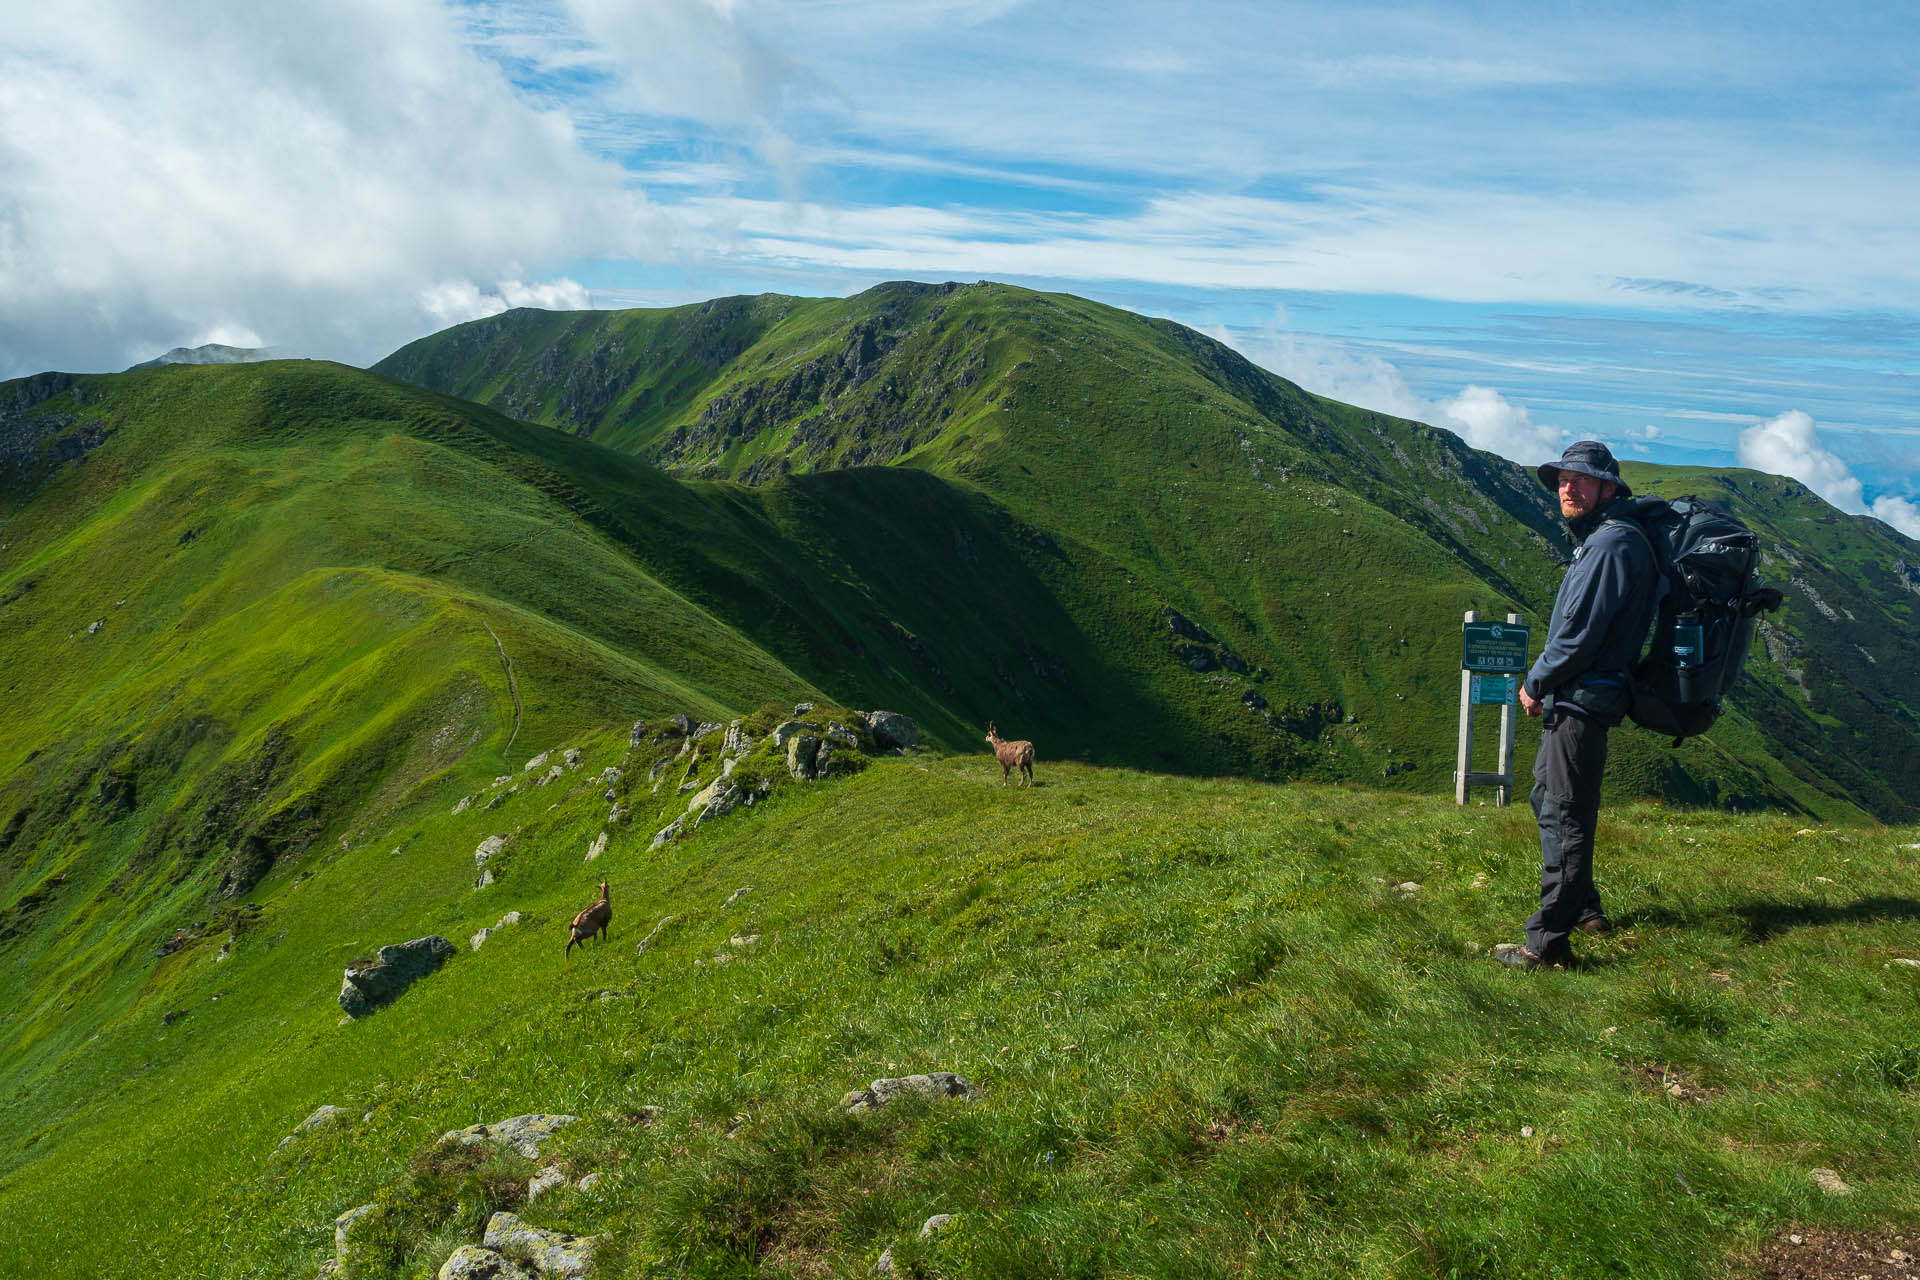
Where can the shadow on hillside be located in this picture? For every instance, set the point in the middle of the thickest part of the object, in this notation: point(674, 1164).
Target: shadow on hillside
point(1762, 920)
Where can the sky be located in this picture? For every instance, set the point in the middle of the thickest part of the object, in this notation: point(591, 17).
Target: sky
point(1690, 230)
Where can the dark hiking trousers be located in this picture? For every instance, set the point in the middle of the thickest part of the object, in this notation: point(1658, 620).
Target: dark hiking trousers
point(1566, 801)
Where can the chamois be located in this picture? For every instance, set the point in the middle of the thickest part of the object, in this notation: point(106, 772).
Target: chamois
point(1011, 755)
point(591, 921)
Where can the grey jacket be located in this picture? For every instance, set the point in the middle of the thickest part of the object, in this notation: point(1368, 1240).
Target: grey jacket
point(1603, 610)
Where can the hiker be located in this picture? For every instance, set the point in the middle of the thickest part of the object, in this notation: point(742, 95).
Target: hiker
point(1579, 687)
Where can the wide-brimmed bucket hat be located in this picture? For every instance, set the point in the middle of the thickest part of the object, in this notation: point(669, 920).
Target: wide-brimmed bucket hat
point(1587, 458)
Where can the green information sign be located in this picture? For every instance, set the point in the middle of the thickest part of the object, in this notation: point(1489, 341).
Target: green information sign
point(1495, 690)
point(1496, 647)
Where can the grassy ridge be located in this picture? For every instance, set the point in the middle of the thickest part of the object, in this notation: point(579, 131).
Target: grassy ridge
point(1329, 548)
point(1210, 1036)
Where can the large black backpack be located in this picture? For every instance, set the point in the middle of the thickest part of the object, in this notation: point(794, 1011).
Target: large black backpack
point(1704, 626)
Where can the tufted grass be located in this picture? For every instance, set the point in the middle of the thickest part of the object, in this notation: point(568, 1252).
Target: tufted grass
point(1209, 1037)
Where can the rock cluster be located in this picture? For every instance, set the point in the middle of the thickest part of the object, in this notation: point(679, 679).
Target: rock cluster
point(525, 1134)
point(807, 748)
point(399, 966)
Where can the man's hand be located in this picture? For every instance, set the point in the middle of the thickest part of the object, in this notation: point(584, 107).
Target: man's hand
point(1529, 703)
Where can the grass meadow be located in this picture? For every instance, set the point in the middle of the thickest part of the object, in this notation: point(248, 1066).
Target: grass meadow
point(1212, 1030)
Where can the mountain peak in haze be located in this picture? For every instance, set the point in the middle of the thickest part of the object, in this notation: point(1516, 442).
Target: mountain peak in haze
point(212, 353)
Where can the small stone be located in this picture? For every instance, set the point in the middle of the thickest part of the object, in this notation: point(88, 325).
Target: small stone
point(1480, 880)
point(933, 1084)
point(1905, 962)
point(669, 832)
point(938, 1222)
point(1407, 886)
point(1830, 1182)
point(642, 948)
point(550, 775)
point(743, 939)
point(1823, 879)
point(486, 878)
point(598, 847)
point(545, 1181)
point(466, 802)
point(1526, 1131)
point(487, 849)
point(320, 1118)
point(885, 1266)
point(573, 757)
point(1797, 1239)
point(589, 1182)
point(537, 762)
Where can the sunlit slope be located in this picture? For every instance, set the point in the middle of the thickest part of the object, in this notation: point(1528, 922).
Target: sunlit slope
point(1256, 1023)
point(268, 605)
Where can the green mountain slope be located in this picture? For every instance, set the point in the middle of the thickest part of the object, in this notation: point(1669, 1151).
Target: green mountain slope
point(1326, 550)
point(278, 638)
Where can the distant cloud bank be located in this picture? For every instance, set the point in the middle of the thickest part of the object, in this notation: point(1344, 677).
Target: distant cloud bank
point(1789, 445)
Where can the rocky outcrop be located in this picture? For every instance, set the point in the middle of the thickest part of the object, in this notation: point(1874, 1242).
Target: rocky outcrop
point(552, 1253)
point(525, 1134)
point(398, 967)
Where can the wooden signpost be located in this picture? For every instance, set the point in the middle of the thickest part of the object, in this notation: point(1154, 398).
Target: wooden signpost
point(1493, 663)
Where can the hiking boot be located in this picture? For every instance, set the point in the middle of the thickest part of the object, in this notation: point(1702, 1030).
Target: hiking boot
point(1596, 927)
point(1516, 956)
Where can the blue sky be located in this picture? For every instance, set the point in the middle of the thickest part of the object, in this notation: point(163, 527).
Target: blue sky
point(1687, 229)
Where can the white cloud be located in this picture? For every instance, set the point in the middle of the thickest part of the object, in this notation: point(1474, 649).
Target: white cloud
point(304, 176)
point(1480, 415)
point(1902, 513)
point(457, 301)
point(1488, 420)
point(1327, 367)
point(1789, 445)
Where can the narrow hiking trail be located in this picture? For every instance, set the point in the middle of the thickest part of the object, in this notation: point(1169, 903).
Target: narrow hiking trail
point(513, 687)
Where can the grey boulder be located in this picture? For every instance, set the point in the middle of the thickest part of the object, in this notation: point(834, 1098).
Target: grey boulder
point(553, 1253)
point(400, 965)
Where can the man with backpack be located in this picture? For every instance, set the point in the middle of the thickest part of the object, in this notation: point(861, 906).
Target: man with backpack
point(1581, 686)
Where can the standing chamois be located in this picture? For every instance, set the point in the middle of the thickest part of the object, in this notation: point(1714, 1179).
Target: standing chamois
point(1011, 755)
point(591, 921)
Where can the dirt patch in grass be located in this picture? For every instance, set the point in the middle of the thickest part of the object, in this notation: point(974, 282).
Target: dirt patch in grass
point(1671, 1082)
point(1810, 1254)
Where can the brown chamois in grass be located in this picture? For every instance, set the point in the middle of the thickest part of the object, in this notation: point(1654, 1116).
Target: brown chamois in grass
point(1011, 755)
point(591, 921)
